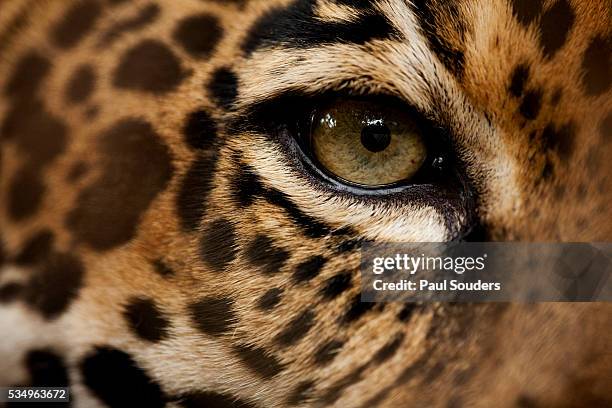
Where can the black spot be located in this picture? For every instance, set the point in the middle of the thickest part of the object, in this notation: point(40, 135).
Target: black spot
point(518, 79)
point(162, 269)
point(198, 35)
point(247, 186)
point(25, 193)
point(556, 97)
point(46, 369)
point(194, 191)
point(28, 74)
point(55, 284)
point(309, 269)
point(336, 285)
point(407, 311)
point(149, 66)
point(81, 84)
point(265, 254)
point(77, 171)
point(596, 65)
point(218, 244)
point(525, 401)
point(259, 361)
point(213, 400)
point(555, 27)
point(547, 170)
point(437, 19)
point(559, 139)
point(91, 112)
point(200, 130)
point(301, 393)
point(327, 352)
point(605, 128)
point(345, 231)
point(296, 329)
point(11, 291)
point(223, 87)
point(388, 350)
point(213, 316)
point(312, 227)
point(14, 27)
point(76, 23)
point(146, 320)
point(145, 16)
point(526, 11)
point(270, 299)
point(40, 137)
point(136, 168)
point(38, 134)
point(356, 309)
point(297, 26)
point(115, 378)
point(531, 104)
point(348, 245)
point(36, 249)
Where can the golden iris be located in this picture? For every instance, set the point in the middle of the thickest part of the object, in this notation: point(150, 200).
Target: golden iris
point(368, 144)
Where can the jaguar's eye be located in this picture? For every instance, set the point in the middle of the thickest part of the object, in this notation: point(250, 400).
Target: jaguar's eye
point(366, 143)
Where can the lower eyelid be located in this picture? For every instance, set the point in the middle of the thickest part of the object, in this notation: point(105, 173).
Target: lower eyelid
point(396, 205)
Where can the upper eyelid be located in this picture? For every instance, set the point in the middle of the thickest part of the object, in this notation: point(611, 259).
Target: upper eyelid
point(279, 108)
point(257, 113)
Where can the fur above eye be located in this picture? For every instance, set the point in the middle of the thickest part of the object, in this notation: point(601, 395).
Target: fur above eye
point(367, 144)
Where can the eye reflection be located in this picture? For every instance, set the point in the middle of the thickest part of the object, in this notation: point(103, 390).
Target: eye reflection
point(329, 121)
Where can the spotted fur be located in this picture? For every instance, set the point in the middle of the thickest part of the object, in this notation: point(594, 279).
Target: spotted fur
point(161, 247)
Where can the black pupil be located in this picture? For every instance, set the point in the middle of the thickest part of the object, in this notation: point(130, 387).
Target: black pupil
point(375, 137)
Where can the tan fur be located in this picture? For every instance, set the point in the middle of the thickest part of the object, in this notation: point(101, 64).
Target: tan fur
point(554, 354)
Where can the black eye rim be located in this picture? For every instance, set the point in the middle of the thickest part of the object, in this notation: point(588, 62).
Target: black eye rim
point(280, 119)
point(436, 141)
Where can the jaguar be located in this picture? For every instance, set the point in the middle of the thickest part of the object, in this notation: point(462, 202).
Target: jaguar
point(185, 187)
